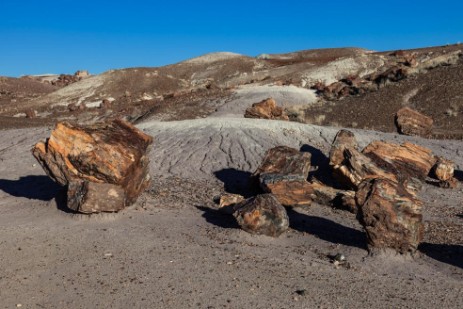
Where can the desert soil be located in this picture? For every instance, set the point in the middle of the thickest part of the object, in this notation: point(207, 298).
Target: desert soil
point(173, 249)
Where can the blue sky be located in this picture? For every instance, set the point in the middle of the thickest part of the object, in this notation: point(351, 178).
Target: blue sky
point(63, 36)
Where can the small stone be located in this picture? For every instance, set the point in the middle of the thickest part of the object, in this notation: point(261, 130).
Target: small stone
point(228, 201)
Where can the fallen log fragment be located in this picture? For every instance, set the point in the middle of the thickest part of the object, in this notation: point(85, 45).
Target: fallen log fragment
point(390, 215)
point(104, 166)
point(412, 122)
point(284, 173)
point(262, 215)
point(444, 170)
point(406, 160)
point(326, 195)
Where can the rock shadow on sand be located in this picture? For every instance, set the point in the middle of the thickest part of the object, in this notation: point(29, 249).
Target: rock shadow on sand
point(327, 230)
point(237, 182)
point(218, 218)
point(31, 187)
point(449, 254)
point(37, 187)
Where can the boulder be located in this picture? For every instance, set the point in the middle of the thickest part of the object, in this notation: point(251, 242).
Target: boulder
point(266, 109)
point(412, 122)
point(406, 160)
point(104, 166)
point(390, 215)
point(284, 173)
point(262, 215)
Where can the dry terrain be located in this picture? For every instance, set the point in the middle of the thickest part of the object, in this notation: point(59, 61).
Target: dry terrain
point(173, 248)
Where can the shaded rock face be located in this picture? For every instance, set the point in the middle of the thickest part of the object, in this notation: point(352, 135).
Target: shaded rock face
point(267, 109)
point(390, 215)
point(411, 122)
point(284, 173)
point(262, 215)
point(104, 166)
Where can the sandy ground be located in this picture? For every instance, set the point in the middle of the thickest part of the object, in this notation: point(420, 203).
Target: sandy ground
point(174, 250)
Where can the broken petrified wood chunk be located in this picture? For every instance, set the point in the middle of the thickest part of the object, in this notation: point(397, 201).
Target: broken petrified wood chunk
point(228, 201)
point(343, 139)
point(85, 158)
point(411, 122)
point(284, 173)
point(443, 170)
point(262, 215)
point(357, 167)
point(326, 195)
point(390, 215)
point(407, 160)
point(93, 197)
point(266, 109)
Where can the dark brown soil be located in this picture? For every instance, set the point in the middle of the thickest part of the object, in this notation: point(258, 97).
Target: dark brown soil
point(437, 93)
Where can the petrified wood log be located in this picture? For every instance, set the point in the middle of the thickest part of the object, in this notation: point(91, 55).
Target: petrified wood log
point(343, 139)
point(262, 215)
point(406, 160)
point(411, 122)
point(284, 173)
point(104, 166)
point(390, 215)
point(266, 109)
point(357, 167)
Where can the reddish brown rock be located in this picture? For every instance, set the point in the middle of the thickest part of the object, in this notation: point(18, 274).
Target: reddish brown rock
point(103, 162)
point(262, 215)
point(406, 160)
point(390, 215)
point(343, 139)
point(356, 167)
point(411, 122)
point(30, 113)
point(267, 109)
point(284, 173)
point(444, 170)
point(228, 201)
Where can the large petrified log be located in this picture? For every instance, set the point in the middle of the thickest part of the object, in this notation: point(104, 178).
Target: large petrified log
point(284, 173)
point(411, 122)
point(262, 214)
point(266, 109)
point(406, 160)
point(104, 166)
point(390, 215)
point(357, 167)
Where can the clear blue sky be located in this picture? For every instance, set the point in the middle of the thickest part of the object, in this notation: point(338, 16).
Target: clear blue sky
point(47, 36)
